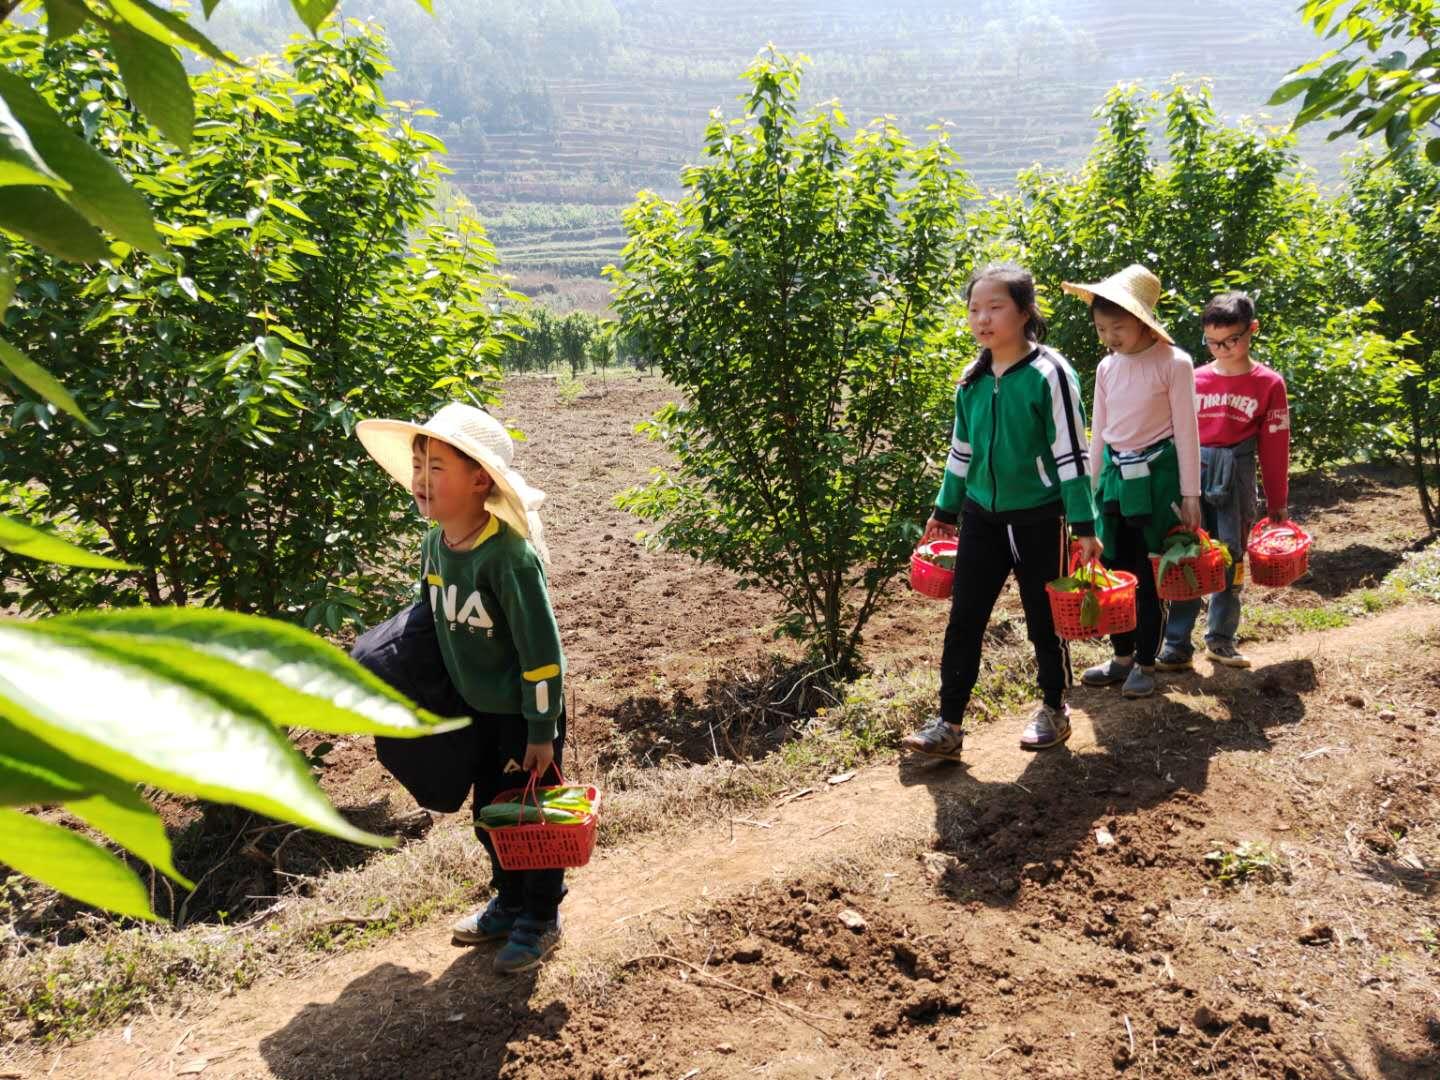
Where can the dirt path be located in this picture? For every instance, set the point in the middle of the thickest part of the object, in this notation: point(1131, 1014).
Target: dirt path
point(997, 856)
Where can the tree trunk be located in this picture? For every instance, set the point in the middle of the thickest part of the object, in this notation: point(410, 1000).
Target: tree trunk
point(1417, 455)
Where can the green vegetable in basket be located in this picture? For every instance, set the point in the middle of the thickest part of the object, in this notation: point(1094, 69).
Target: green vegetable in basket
point(944, 561)
point(1090, 580)
point(1181, 547)
point(1085, 577)
point(514, 813)
point(565, 796)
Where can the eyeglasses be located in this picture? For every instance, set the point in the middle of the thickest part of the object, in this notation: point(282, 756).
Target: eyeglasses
point(1226, 344)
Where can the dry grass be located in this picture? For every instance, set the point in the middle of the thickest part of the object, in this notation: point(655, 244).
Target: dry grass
point(50, 992)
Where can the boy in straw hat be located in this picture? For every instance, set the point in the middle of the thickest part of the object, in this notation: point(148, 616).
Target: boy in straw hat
point(483, 571)
point(1145, 456)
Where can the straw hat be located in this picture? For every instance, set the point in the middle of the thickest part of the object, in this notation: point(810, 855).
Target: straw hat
point(1135, 289)
point(475, 433)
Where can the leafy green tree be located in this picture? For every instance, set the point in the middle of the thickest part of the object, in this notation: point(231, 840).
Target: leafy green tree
point(796, 296)
point(1217, 199)
point(1395, 208)
point(302, 284)
point(601, 347)
point(575, 332)
point(1322, 330)
point(1394, 92)
point(1227, 208)
point(184, 700)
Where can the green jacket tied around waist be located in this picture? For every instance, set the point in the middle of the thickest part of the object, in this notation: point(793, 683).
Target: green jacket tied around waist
point(1141, 487)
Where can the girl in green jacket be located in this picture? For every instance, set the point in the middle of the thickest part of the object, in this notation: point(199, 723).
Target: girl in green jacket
point(1016, 478)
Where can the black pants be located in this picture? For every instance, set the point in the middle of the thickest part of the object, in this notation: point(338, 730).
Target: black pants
point(1133, 555)
point(502, 745)
point(441, 770)
point(988, 552)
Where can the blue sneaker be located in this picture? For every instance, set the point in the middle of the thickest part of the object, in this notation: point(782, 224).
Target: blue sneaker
point(530, 942)
point(492, 924)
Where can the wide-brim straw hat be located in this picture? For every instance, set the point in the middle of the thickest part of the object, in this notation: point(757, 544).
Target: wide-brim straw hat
point(478, 435)
point(1135, 289)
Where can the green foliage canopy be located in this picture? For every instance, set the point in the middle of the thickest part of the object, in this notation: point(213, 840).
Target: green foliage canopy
point(796, 296)
point(302, 284)
point(1395, 93)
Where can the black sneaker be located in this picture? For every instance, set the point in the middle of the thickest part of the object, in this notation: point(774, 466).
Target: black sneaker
point(1174, 660)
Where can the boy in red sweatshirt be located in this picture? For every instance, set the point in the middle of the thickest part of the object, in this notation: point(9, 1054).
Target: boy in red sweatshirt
point(1244, 417)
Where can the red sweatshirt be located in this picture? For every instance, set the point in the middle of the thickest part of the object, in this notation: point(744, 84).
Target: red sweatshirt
point(1231, 408)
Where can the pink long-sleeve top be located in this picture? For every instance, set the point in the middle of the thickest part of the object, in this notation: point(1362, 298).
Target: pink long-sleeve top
point(1142, 398)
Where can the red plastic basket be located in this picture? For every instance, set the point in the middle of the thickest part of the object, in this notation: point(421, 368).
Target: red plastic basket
point(1277, 568)
point(544, 845)
point(1209, 569)
point(1117, 609)
point(928, 579)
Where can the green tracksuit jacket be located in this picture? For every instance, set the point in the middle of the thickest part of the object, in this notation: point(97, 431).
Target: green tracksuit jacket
point(1019, 443)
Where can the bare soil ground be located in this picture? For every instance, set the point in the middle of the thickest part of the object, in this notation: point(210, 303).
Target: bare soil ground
point(651, 634)
point(1017, 915)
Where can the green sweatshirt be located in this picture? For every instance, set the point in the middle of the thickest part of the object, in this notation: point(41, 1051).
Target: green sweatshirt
point(1019, 442)
point(497, 632)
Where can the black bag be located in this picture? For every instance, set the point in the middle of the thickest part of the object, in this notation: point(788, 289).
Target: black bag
point(438, 770)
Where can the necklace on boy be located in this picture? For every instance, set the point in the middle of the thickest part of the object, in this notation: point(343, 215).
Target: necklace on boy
point(467, 536)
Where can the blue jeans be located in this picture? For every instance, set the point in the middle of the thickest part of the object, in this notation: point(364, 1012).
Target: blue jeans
point(1227, 525)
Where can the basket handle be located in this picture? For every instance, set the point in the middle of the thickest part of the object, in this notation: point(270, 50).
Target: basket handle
point(1201, 533)
point(1265, 525)
point(532, 790)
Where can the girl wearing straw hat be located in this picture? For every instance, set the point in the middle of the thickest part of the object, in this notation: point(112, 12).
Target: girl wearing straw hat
point(1145, 455)
point(483, 572)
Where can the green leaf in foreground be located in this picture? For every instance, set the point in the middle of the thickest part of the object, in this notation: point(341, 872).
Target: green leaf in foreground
point(41, 381)
point(313, 12)
point(34, 543)
point(20, 162)
point(132, 823)
point(344, 698)
point(154, 722)
point(156, 81)
point(168, 27)
point(34, 773)
point(70, 863)
point(40, 216)
point(97, 189)
point(64, 17)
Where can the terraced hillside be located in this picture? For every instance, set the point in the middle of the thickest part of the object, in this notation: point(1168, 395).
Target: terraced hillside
point(555, 114)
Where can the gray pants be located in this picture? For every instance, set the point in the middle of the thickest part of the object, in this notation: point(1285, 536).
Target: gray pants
point(1230, 509)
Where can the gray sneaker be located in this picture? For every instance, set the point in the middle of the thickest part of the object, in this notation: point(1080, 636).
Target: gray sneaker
point(1224, 652)
point(492, 924)
point(1047, 727)
point(1139, 683)
point(937, 738)
point(1174, 660)
point(1111, 673)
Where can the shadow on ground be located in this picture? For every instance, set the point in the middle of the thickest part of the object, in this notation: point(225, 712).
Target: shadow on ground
point(395, 1022)
point(1150, 753)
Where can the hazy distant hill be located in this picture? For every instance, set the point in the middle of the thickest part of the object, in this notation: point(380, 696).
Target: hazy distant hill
point(556, 111)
